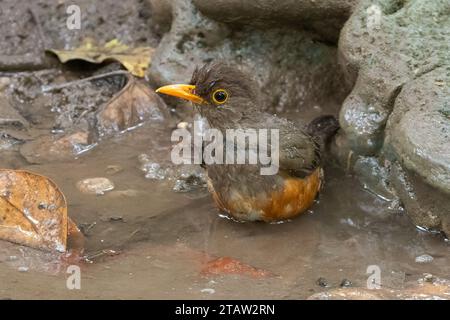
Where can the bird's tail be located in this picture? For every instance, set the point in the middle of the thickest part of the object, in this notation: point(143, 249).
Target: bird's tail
point(323, 127)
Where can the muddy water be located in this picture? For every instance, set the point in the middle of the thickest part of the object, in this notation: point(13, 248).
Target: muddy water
point(144, 240)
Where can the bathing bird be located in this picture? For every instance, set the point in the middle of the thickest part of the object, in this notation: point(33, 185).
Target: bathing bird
point(229, 99)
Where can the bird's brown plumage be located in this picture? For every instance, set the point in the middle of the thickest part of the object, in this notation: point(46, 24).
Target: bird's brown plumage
point(240, 190)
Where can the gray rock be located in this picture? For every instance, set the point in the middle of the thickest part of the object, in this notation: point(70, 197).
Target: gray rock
point(161, 14)
point(396, 53)
point(293, 71)
point(418, 131)
point(375, 177)
point(324, 17)
point(418, 134)
point(382, 46)
point(427, 207)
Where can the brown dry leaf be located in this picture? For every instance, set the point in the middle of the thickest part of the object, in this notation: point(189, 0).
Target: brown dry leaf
point(51, 148)
point(132, 105)
point(33, 211)
point(135, 60)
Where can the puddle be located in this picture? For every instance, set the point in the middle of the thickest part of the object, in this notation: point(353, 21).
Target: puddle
point(145, 240)
point(157, 234)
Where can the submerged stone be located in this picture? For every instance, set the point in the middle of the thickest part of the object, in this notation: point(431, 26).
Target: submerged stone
point(97, 186)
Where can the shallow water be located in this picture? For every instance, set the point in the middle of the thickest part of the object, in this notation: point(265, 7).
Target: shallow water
point(146, 241)
point(143, 239)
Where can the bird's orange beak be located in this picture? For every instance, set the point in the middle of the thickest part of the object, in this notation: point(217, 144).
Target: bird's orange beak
point(183, 91)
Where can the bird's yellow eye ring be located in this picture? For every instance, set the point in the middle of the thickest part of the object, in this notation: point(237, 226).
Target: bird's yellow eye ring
point(220, 96)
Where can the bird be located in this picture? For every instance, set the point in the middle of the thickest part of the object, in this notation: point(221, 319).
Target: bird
point(230, 99)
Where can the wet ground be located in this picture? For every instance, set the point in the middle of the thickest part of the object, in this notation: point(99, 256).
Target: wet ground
point(145, 238)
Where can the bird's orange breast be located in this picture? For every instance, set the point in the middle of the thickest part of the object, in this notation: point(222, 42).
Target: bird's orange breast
point(296, 196)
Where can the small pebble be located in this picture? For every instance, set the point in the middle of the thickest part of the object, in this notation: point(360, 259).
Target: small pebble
point(346, 283)
point(96, 186)
point(424, 258)
point(23, 269)
point(208, 290)
point(181, 186)
point(189, 180)
point(113, 169)
point(183, 125)
point(153, 170)
point(322, 282)
point(116, 219)
point(428, 277)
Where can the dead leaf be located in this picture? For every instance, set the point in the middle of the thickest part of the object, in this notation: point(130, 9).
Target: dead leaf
point(51, 148)
point(33, 211)
point(136, 60)
point(132, 105)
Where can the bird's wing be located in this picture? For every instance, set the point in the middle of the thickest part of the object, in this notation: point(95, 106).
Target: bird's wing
point(299, 153)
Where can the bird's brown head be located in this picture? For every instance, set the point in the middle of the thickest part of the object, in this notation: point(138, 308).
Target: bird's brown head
point(222, 93)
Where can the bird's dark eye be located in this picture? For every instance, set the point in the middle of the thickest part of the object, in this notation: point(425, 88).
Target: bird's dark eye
point(220, 96)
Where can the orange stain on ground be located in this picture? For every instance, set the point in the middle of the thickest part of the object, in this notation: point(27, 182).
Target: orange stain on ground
point(230, 266)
